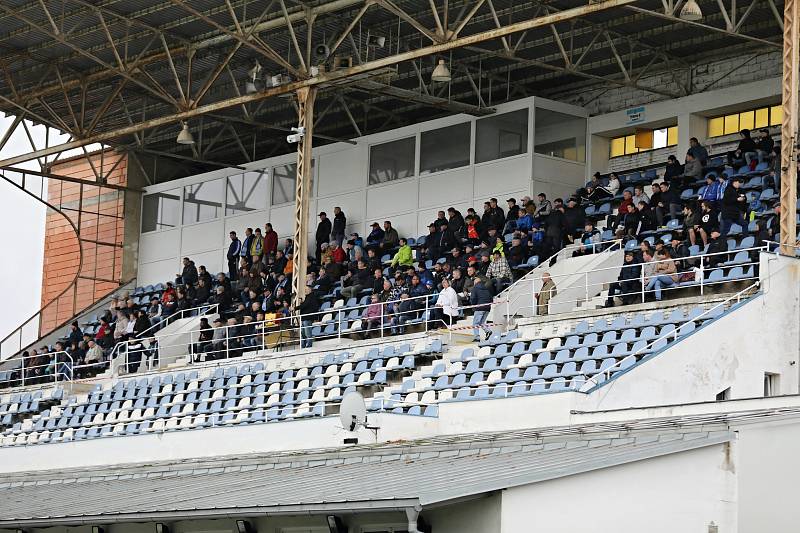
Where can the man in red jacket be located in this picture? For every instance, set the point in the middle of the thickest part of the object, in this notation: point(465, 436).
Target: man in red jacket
point(270, 240)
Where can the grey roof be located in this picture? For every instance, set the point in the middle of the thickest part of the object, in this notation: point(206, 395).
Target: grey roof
point(362, 478)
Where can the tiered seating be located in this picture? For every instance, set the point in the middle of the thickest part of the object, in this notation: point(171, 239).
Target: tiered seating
point(241, 394)
point(553, 362)
point(19, 406)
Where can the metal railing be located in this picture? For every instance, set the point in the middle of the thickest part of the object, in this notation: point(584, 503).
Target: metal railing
point(228, 341)
point(512, 297)
point(664, 338)
point(59, 367)
point(699, 269)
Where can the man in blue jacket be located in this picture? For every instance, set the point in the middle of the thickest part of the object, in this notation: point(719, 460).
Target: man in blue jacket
point(481, 299)
point(234, 251)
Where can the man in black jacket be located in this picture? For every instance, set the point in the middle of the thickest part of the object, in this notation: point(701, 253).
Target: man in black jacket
point(339, 225)
point(717, 246)
point(734, 203)
point(745, 151)
point(234, 250)
point(455, 221)
point(573, 219)
point(628, 283)
point(554, 231)
point(189, 274)
point(308, 309)
point(323, 233)
point(668, 202)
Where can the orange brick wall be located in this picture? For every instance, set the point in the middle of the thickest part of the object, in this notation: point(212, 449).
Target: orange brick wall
point(97, 211)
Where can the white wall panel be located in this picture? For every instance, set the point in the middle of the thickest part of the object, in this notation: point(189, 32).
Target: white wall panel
point(157, 272)
point(344, 170)
point(427, 216)
point(282, 219)
point(201, 237)
point(352, 203)
point(406, 224)
point(213, 261)
point(386, 200)
point(557, 177)
point(159, 246)
point(445, 187)
point(242, 222)
point(506, 175)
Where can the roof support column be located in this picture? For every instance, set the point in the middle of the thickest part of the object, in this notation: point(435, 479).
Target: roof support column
point(789, 140)
point(305, 115)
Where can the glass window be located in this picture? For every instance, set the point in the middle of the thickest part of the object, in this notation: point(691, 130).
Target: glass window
point(776, 115)
point(731, 124)
point(672, 136)
point(444, 148)
point(203, 201)
point(716, 127)
point(762, 117)
point(501, 136)
point(392, 161)
point(618, 147)
point(746, 120)
point(160, 210)
point(283, 181)
point(560, 135)
point(246, 192)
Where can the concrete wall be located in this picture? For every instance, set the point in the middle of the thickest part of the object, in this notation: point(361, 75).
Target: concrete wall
point(680, 492)
point(340, 178)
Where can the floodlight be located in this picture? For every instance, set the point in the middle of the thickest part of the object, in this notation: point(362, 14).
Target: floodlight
point(441, 73)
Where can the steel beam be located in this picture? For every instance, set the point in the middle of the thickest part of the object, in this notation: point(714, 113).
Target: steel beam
point(305, 116)
point(789, 139)
point(333, 78)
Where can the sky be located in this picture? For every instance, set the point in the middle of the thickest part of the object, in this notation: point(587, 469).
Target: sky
point(21, 234)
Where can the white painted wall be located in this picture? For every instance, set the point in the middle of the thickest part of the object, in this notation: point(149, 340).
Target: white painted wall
point(340, 178)
point(680, 492)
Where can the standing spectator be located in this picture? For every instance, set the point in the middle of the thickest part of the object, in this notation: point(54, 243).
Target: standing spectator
point(375, 237)
point(628, 282)
point(446, 307)
point(639, 195)
point(698, 151)
point(734, 204)
point(499, 273)
point(308, 309)
point(481, 299)
point(455, 221)
point(555, 225)
point(543, 208)
point(323, 233)
point(256, 247)
point(189, 274)
point(248, 241)
point(573, 219)
point(154, 311)
point(745, 151)
point(339, 225)
point(545, 294)
point(712, 190)
point(233, 255)
point(692, 170)
point(390, 237)
point(75, 333)
point(717, 246)
point(270, 241)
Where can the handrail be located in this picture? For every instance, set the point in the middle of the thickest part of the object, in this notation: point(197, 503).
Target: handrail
point(674, 333)
point(53, 359)
point(641, 279)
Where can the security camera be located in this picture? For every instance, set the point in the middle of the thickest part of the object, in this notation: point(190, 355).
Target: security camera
point(298, 134)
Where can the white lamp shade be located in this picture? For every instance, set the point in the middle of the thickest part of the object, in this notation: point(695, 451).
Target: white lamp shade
point(691, 11)
point(441, 73)
point(185, 136)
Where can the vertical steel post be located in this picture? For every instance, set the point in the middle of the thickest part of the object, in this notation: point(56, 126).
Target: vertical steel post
point(789, 139)
point(305, 115)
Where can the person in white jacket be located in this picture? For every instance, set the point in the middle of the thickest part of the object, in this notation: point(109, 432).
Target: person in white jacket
point(446, 308)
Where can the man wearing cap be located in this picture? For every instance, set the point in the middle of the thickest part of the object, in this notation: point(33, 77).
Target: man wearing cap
point(323, 233)
point(455, 220)
point(715, 253)
point(375, 236)
point(734, 204)
point(628, 282)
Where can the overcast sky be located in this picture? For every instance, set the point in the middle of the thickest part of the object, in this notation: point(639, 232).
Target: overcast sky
point(21, 235)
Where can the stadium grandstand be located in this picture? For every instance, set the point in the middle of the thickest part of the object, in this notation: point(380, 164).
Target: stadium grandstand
point(397, 266)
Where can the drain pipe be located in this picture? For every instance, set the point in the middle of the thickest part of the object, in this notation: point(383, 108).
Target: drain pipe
point(412, 514)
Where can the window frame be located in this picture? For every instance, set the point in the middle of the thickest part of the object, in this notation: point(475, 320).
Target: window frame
point(224, 181)
point(631, 138)
point(424, 173)
point(414, 165)
point(179, 221)
point(731, 123)
point(525, 146)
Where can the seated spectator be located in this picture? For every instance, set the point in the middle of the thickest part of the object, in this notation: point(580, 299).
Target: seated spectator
point(354, 282)
point(390, 238)
point(589, 238)
point(678, 251)
point(189, 274)
point(764, 145)
point(203, 274)
point(628, 282)
point(698, 151)
point(734, 206)
point(745, 151)
point(372, 317)
point(499, 273)
point(517, 253)
point(692, 170)
point(446, 308)
point(543, 208)
point(691, 222)
point(94, 356)
point(223, 300)
point(405, 311)
point(455, 221)
point(613, 184)
point(202, 293)
point(646, 218)
point(203, 339)
point(717, 246)
point(141, 324)
point(219, 338)
point(673, 169)
point(669, 202)
point(308, 310)
point(375, 237)
point(664, 274)
point(473, 231)
point(639, 195)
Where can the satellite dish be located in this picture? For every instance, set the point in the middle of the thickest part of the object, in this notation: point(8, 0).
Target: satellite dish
point(353, 411)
